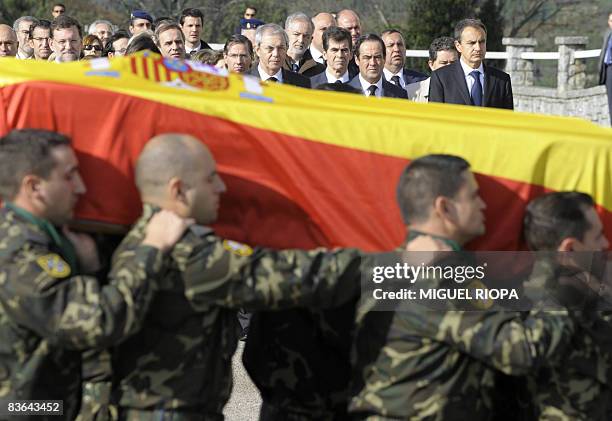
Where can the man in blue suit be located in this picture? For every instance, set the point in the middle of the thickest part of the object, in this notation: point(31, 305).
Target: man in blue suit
point(469, 81)
point(370, 56)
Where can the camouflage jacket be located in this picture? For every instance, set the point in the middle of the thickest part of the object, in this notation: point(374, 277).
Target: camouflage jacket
point(48, 314)
point(300, 360)
point(181, 359)
point(579, 388)
point(425, 364)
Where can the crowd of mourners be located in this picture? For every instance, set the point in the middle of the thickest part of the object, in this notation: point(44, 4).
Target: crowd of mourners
point(310, 52)
point(151, 335)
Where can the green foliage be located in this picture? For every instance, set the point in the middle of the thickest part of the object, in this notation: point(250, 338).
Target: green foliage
point(491, 15)
point(430, 19)
point(13, 9)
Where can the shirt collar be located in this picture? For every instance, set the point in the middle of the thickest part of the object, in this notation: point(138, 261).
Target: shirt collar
point(22, 56)
point(264, 76)
point(365, 85)
point(331, 78)
point(388, 75)
point(467, 69)
point(196, 48)
point(316, 54)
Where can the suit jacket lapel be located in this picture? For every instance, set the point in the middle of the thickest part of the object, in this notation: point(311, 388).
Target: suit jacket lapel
point(488, 87)
point(461, 83)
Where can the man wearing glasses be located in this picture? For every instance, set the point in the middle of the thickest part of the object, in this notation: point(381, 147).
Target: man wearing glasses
point(66, 39)
point(40, 39)
point(22, 29)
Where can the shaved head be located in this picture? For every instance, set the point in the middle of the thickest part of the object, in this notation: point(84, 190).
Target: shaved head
point(177, 172)
point(166, 156)
point(349, 20)
point(8, 41)
point(321, 22)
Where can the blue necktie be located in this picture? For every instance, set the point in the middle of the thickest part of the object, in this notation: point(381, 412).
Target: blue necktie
point(476, 89)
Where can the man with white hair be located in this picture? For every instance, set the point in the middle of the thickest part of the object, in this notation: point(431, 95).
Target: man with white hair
point(22, 28)
point(299, 29)
point(103, 29)
point(271, 44)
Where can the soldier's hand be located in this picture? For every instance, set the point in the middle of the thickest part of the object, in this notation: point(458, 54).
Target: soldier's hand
point(85, 248)
point(165, 229)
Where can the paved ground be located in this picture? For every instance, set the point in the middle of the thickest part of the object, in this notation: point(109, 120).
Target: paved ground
point(245, 401)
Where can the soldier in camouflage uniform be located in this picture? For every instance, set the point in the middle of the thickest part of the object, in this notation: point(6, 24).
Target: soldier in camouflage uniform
point(179, 365)
point(50, 310)
point(580, 387)
point(424, 364)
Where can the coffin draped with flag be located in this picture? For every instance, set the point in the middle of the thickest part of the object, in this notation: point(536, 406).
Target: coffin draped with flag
point(303, 167)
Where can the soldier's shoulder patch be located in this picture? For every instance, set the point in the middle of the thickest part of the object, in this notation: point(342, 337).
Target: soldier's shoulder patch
point(237, 248)
point(54, 265)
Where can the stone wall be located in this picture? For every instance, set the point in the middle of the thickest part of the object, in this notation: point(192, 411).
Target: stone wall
point(590, 104)
point(570, 98)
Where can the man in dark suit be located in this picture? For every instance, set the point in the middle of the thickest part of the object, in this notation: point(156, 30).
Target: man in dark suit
point(370, 57)
point(299, 29)
point(192, 22)
point(395, 60)
point(337, 51)
point(605, 63)
point(271, 45)
point(468, 81)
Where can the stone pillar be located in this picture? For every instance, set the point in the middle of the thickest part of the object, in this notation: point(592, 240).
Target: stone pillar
point(520, 70)
point(571, 72)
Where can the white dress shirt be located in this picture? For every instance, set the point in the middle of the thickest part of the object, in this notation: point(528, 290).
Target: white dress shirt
point(316, 54)
point(196, 48)
point(365, 85)
point(469, 79)
point(264, 76)
point(333, 79)
point(418, 91)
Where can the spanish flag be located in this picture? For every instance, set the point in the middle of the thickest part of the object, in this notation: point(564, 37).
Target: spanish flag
point(304, 168)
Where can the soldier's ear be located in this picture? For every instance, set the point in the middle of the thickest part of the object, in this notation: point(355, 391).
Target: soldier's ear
point(442, 207)
point(176, 190)
point(30, 185)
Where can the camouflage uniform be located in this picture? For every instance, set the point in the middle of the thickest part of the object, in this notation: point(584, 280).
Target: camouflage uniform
point(300, 361)
point(424, 364)
point(579, 387)
point(179, 365)
point(48, 314)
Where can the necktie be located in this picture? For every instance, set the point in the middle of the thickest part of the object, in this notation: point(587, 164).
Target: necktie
point(476, 89)
point(295, 67)
point(338, 81)
point(272, 79)
point(396, 81)
point(372, 89)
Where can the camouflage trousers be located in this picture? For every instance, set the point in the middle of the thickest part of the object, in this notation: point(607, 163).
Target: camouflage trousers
point(274, 413)
point(129, 414)
point(95, 403)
